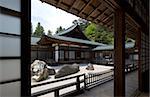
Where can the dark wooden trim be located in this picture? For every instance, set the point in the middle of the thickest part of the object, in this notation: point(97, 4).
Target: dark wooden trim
point(10, 81)
point(119, 55)
point(72, 5)
point(10, 57)
point(129, 11)
point(139, 59)
point(58, 3)
point(86, 5)
point(93, 10)
point(107, 17)
point(9, 34)
point(25, 48)
point(100, 14)
point(10, 12)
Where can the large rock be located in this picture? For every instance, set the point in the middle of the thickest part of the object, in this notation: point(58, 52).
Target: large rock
point(39, 70)
point(41, 75)
point(67, 70)
point(90, 67)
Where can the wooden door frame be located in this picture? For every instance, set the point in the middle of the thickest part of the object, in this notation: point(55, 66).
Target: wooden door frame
point(25, 48)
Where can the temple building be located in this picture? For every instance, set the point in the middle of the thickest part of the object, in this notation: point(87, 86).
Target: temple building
point(72, 46)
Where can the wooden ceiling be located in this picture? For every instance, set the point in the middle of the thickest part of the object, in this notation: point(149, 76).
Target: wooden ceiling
point(98, 11)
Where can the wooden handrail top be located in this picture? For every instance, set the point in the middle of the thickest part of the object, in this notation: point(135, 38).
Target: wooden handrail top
point(55, 89)
point(101, 73)
point(56, 81)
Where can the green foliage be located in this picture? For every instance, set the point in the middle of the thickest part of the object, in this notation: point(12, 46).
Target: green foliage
point(99, 33)
point(39, 31)
point(59, 29)
point(90, 31)
point(49, 33)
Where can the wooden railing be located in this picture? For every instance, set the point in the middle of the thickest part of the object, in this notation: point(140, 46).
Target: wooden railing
point(57, 89)
point(130, 68)
point(90, 80)
point(94, 79)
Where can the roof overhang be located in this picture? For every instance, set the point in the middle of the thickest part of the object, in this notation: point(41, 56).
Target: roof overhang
point(49, 40)
point(98, 11)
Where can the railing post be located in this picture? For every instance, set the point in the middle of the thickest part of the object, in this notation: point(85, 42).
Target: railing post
point(78, 84)
point(56, 93)
point(85, 81)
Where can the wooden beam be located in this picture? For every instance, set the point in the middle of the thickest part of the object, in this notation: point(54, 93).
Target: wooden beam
point(58, 3)
point(108, 6)
point(119, 57)
point(109, 25)
point(72, 5)
point(105, 19)
point(130, 23)
point(100, 14)
point(112, 3)
point(108, 21)
point(94, 10)
point(89, 2)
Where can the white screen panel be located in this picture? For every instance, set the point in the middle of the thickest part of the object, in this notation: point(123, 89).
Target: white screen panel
point(9, 46)
point(10, 89)
point(82, 54)
point(61, 54)
point(72, 54)
point(135, 57)
point(11, 4)
point(10, 24)
point(9, 69)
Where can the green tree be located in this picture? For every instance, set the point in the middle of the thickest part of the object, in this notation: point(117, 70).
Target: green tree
point(90, 31)
point(103, 35)
point(99, 33)
point(49, 33)
point(39, 31)
point(59, 29)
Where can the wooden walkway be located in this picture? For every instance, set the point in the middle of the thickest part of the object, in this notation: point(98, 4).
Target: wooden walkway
point(106, 89)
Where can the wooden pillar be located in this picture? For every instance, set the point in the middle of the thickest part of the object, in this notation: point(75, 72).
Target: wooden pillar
point(25, 49)
point(119, 56)
point(138, 40)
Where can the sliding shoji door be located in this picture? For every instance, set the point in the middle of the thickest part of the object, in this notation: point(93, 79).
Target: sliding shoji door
point(13, 18)
point(144, 58)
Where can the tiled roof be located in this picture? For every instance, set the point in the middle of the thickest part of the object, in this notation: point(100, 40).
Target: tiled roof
point(111, 47)
point(34, 40)
point(66, 31)
point(64, 38)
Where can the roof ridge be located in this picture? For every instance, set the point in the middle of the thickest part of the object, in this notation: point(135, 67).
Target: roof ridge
point(66, 30)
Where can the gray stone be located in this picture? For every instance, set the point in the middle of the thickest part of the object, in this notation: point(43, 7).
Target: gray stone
point(67, 70)
point(41, 76)
point(90, 67)
point(39, 70)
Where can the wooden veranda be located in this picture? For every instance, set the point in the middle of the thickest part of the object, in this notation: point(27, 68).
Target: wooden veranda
point(123, 17)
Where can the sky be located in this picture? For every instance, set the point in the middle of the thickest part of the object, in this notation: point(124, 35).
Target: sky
point(49, 16)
